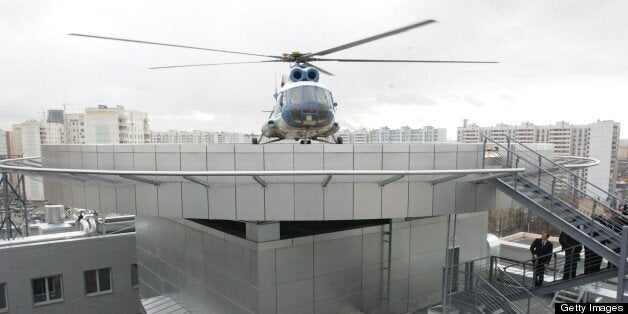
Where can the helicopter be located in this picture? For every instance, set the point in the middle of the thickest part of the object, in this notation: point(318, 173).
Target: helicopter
point(304, 109)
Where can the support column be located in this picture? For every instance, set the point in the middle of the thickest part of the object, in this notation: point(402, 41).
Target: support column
point(262, 231)
point(621, 267)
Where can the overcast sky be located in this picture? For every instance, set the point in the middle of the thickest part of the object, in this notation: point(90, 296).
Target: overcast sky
point(559, 60)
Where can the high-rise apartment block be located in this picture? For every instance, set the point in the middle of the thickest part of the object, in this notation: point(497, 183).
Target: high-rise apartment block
point(200, 137)
point(75, 128)
point(104, 125)
point(4, 147)
point(622, 171)
point(355, 136)
point(27, 140)
point(408, 135)
point(388, 135)
point(598, 140)
point(182, 137)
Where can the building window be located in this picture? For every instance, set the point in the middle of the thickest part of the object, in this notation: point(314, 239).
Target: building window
point(47, 290)
point(97, 281)
point(134, 276)
point(3, 297)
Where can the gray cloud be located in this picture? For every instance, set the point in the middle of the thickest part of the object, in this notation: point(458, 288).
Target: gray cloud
point(553, 55)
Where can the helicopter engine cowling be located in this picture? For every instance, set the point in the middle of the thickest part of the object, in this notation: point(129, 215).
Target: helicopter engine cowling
point(311, 74)
point(297, 74)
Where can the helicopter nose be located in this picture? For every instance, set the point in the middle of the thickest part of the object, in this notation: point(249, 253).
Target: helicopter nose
point(311, 114)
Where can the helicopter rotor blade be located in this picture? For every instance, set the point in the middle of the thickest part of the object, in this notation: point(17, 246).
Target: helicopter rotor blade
point(208, 64)
point(318, 68)
point(369, 39)
point(173, 45)
point(400, 61)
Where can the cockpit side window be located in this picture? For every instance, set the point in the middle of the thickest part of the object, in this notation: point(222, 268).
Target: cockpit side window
point(323, 95)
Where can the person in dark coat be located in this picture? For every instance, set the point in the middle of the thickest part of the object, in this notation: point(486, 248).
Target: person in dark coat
point(593, 261)
point(541, 250)
point(572, 250)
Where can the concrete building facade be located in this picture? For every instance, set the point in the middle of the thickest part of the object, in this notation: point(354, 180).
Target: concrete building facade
point(24, 264)
point(599, 140)
point(74, 124)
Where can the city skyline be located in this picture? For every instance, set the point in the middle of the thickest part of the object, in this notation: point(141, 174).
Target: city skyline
point(561, 67)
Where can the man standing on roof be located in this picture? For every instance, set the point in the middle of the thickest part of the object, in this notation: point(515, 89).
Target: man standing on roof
point(541, 250)
point(572, 253)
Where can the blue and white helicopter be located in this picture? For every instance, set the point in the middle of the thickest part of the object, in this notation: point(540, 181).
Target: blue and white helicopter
point(304, 109)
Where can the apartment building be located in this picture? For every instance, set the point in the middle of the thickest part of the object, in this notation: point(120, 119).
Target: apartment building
point(4, 147)
point(408, 135)
point(104, 125)
point(27, 140)
point(181, 137)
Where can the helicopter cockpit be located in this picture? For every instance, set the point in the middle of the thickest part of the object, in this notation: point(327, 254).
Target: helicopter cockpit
point(310, 106)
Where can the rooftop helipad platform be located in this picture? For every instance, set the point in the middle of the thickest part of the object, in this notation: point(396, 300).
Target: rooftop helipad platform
point(268, 182)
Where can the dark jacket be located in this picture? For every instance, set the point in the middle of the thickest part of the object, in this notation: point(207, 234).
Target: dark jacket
point(537, 248)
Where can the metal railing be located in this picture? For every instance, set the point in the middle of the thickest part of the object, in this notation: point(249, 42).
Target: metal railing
point(559, 195)
point(589, 187)
point(565, 264)
point(485, 285)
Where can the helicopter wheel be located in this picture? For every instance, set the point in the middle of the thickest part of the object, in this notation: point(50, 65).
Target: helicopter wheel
point(308, 142)
point(255, 141)
point(302, 142)
point(339, 140)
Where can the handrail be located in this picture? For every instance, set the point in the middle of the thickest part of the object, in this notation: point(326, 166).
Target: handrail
point(523, 288)
point(495, 290)
point(542, 256)
point(610, 232)
point(607, 228)
point(556, 177)
point(564, 168)
point(3, 165)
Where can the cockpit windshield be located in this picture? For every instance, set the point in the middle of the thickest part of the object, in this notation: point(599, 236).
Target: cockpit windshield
point(307, 106)
point(301, 94)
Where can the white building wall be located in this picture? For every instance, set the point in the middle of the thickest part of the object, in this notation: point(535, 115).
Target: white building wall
point(104, 125)
point(21, 263)
point(604, 142)
point(101, 126)
point(27, 140)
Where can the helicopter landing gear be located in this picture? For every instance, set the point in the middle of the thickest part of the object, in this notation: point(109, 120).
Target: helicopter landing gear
point(305, 142)
point(337, 140)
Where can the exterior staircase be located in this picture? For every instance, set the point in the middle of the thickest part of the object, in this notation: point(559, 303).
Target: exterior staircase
point(555, 192)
